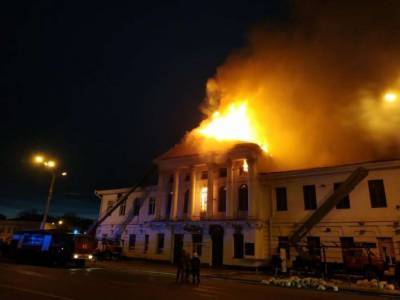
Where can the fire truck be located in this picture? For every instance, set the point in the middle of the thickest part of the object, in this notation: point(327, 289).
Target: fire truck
point(51, 247)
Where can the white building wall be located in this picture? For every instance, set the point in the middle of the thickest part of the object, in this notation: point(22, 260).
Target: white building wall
point(265, 224)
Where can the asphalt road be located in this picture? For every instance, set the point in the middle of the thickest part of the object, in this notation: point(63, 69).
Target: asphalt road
point(35, 282)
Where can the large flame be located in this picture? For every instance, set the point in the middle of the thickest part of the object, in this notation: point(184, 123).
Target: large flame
point(232, 124)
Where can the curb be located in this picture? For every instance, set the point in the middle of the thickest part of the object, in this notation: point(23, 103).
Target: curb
point(341, 289)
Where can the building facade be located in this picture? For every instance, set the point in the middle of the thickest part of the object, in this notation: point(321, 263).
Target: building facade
point(229, 209)
point(8, 227)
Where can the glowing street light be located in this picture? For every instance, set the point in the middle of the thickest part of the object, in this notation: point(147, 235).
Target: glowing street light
point(50, 165)
point(38, 159)
point(390, 97)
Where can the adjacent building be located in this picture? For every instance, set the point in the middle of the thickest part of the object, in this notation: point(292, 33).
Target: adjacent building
point(231, 210)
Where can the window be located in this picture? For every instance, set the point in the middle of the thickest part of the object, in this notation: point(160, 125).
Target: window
point(249, 249)
point(146, 243)
point(122, 208)
point(238, 245)
point(223, 172)
point(222, 199)
point(283, 243)
point(345, 202)
point(314, 245)
point(203, 199)
point(152, 205)
point(377, 193)
point(347, 242)
point(281, 199)
point(136, 206)
point(197, 240)
point(132, 241)
point(244, 168)
point(204, 175)
point(243, 197)
point(160, 243)
point(169, 205)
point(186, 202)
point(109, 205)
point(310, 197)
point(187, 177)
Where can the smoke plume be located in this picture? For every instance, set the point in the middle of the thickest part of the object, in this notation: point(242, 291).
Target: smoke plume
point(315, 83)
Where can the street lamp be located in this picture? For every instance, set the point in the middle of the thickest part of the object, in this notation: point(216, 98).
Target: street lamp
point(390, 97)
point(50, 165)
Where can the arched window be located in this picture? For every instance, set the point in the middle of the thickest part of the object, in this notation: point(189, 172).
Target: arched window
point(243, 197)
point(222, 199)
point(186, 202)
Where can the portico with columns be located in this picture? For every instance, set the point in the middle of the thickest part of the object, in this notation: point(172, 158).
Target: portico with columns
point(227, 231)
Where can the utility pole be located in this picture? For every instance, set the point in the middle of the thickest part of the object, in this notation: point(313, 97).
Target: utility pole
point(49, 197)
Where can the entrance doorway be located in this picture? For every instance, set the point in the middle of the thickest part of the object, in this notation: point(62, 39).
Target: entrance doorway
point(178, 246)
point(217, 238)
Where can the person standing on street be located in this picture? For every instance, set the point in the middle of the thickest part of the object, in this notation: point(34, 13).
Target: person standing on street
point(187, 266)
point(195, 268)
point(180, 266)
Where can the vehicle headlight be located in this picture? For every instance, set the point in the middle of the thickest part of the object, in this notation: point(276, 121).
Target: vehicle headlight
point(76, 256)
point(90, 256)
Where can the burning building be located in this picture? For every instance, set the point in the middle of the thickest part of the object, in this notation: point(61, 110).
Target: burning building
point(232, 210)
point(298, 148)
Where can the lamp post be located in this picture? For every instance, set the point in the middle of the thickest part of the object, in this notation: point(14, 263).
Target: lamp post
point(50, 165)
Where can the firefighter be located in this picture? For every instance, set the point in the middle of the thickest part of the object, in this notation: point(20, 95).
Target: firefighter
point(195, 262)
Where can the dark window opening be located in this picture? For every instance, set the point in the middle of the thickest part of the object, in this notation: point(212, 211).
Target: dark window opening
point(197, 240)
point(204, 175)
point(243, 197)
point(249, 249)
point(169, 205)
point(187, 177)
point(136, 206)
point(132, 241)
point(222, 199)
point(238, 245)
point(146, 243)
point(345, 202)
point(122, 208)
point(281, 199)
point(377, 193)
point(186, 202)
point(160, 243)
point(223, 172)
point(283, 243)
point(310, 197)
point(314, 245)
point(152, 206)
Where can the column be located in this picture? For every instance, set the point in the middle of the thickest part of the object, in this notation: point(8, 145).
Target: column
point(175, 196)
point(252, 184)
point(192, 198)
point(210, 191)
point(160, 199)
point(230, 206)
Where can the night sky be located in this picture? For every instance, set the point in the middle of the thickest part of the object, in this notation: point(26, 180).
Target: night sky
point(105, 88)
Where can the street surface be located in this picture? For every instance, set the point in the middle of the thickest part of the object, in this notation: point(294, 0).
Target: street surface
point(108, 282)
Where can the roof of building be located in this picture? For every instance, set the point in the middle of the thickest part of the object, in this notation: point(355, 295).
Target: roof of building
point(344, 168)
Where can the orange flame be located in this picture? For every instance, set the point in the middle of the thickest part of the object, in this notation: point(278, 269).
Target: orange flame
point(232, 124)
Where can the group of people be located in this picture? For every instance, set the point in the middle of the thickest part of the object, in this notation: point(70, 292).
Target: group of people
point(187, 265)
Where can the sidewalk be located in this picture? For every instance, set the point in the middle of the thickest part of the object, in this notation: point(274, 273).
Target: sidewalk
point(167, 269)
